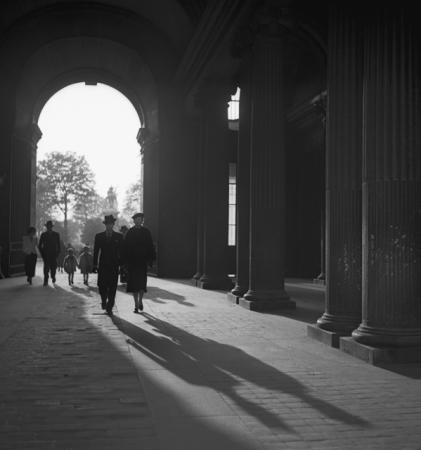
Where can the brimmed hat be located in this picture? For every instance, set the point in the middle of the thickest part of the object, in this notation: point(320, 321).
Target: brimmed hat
point(139, 214)
point(109, 219)
point(49, 223)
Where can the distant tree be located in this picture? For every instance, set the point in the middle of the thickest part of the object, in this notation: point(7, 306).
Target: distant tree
point(45, 209)
point(92, 206)
point(92, 226)
point(132, 200)
point(69, 181)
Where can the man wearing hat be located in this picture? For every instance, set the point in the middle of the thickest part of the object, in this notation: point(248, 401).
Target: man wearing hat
point(49, 247)
point(139, 252)
point(107, 259)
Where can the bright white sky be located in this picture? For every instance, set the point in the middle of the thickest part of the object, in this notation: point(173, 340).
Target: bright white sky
point(100, 123)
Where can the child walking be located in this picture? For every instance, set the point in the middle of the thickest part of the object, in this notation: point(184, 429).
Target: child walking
point(70, 264)
point(86, 264)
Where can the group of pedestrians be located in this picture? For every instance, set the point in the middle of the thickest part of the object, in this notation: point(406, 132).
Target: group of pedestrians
point(126, 254)
point(84, 263)
point(49, 247)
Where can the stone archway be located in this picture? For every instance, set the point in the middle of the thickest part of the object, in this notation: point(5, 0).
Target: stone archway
point(52, 67)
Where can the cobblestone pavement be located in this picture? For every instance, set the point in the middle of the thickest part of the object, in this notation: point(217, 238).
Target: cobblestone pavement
point(192, 372)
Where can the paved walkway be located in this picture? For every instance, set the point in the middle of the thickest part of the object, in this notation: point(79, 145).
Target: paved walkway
point(193, 372)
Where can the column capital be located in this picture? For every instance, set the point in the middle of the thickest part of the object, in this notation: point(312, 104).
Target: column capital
point(30, 135)
point(146, 139)
point(319, 103)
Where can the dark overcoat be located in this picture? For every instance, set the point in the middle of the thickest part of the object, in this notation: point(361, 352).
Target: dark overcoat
point(49, 245)
point(139, 252)
point(107, 257)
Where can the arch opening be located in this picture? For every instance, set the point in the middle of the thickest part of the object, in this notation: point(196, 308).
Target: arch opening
point(88, 160)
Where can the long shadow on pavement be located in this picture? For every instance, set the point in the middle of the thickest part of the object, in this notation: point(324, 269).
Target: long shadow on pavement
point(64, 381)
point(205, 362)
point(158, 295)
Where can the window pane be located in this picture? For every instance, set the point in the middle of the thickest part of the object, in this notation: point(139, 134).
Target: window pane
point(232, 168)
point(231, 235)
point(232, 196)
point(231, 215)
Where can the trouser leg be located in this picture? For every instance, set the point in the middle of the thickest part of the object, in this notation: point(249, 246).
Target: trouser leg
point(103, 291)
point(46, 270)
point(53, 268)
point(112, 289)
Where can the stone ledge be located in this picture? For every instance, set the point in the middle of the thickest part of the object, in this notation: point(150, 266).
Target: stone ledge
point(329, 338)
point(266, 305)
point(380, 355)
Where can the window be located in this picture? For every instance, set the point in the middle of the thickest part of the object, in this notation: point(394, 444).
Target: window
point(234, 111)
point(232, 201)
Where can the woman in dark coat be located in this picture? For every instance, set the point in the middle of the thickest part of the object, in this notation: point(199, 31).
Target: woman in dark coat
point(139, 253)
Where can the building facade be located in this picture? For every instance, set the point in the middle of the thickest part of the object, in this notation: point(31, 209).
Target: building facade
point(326, 152)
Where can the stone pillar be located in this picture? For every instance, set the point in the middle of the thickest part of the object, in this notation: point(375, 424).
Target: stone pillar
point(141, 141)
point(149, 144)
point(319, 103)
point(23, 191)
point(243, 189)
point(343, 176)
point(215, 189)
point(267, 168)
point(200, 201)
point(391, 278)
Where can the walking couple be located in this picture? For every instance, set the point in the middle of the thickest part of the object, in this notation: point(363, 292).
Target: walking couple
point(111, 251)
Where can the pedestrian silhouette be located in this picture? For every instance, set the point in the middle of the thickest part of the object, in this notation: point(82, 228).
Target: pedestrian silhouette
point(107, 260)
point(29, 248)
point(139, 253)
point(49, 247)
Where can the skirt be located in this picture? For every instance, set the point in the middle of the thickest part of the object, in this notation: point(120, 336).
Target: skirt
point(30, 263)
point(136, 278)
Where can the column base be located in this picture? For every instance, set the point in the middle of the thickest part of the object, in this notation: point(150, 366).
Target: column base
point(320, 279)
point(340, 324)
point(236, 293)
point(326, 337)
point(232, 298)
point(387, 337)
point(211, 283)
point(380, 355)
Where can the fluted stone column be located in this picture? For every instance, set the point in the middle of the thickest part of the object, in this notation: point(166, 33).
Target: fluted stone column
point(319, 103)
point(243, 188)
point(141, 141)
point(267, 173)
point(23, 191)
point(215, 189)
point(391, 282)
point(149, 143)
point(343, 177)
point(199, 202)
